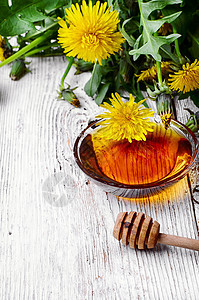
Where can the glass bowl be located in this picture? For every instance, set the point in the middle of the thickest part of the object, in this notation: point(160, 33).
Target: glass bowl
point(140, 168)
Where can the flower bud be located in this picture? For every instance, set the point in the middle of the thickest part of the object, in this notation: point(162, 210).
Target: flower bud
point(18, 69)
point(125, 70)
point(68, 95)
point(82, 66)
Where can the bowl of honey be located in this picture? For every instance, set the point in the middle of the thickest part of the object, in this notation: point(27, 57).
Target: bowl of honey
point(139, 168)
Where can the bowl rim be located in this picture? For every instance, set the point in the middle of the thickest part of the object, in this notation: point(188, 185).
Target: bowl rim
point(161, 182)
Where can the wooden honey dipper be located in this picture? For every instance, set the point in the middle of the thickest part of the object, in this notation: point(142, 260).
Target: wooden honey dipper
point(140, 232)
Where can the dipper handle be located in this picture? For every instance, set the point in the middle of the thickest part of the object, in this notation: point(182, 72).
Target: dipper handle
point(178, 241)
point(140, 232)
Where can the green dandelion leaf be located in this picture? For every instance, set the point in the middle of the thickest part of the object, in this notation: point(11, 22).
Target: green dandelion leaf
point(149, 43)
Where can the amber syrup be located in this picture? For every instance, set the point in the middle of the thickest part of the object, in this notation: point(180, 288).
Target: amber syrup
point(164, 153)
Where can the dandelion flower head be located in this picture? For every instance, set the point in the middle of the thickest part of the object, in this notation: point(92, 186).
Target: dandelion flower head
point(2, 58)
point(166, 119)
point(1, 40)
point(165, 29)
point(90, 32)
point(2, 49)
point(187, 79)
point(125, 120)
point(151, 73)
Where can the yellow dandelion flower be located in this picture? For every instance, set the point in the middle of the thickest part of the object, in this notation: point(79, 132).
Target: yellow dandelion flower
point(91, 32)
point(148, 75)
point(125, 120)
point(151, 73)
point(5, 50)
point(185, 80)
point(2, 49)
point(166, 67)
point(166, 119)
point(165, 29)
point(2, 58)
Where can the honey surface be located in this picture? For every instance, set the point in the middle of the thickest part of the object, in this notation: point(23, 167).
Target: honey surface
point(164, 153)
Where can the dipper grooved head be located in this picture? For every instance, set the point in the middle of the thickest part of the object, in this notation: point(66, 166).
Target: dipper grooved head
point(136, 230)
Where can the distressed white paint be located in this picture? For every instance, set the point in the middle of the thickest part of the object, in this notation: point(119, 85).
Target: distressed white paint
point(68, 252)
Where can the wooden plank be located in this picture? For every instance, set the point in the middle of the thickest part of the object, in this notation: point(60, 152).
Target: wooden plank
point(183, 116)
point(61, 247)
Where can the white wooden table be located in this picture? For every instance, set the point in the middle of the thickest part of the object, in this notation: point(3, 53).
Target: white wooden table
point(56, 226)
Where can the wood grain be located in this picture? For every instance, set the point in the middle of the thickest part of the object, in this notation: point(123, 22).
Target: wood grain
point(62, 247)
point(193, 176)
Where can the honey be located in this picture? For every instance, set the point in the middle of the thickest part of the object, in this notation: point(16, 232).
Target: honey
point(164, 153)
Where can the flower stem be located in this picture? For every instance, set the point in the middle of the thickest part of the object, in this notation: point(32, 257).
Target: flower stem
point(70, 62)
point(177, 48)
point(26, 48)
point(159, 72)
point(37, 50)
